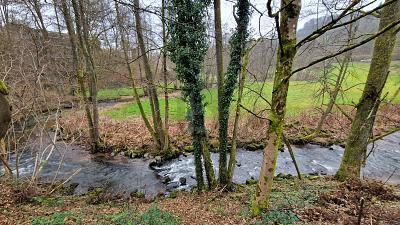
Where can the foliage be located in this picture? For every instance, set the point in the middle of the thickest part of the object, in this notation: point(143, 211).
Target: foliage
point(154, 216)
point(46, 201)
point(279, 217)
point(56, 219)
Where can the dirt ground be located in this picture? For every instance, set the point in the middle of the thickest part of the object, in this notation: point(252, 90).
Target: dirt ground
point(314, 200)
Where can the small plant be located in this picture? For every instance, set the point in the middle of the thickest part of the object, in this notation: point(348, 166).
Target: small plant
point(280, 217)
point(55, 219)
point(154, 216)
point(44, 201)
point(126, 217)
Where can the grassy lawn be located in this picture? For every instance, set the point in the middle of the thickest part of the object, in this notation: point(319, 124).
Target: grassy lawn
point(301, 95)
point(115, 93)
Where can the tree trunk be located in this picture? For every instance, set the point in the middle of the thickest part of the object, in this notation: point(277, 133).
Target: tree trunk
point(238, 45)
point(220, 70)
point(153, 97)
point(125, 47)
point(361, 129)
point(82, 32)
point(165, 72)
point(232, 156)
point(77, 60)
point(5, 120)
point(188, 46)
point(200, 140)
point(289, 16)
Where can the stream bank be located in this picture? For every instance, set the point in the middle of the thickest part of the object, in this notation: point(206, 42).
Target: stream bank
point(123, 176)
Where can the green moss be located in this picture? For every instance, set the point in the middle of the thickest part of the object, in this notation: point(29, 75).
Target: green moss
point(3, 88)
point(188, 148)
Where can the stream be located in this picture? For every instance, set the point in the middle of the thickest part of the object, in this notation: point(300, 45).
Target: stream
point(121, 175)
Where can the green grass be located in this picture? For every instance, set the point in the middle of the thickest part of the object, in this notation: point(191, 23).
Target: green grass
point(301, 95)
point(115, 93)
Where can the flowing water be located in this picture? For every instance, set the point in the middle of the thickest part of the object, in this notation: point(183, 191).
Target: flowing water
point(121, 175)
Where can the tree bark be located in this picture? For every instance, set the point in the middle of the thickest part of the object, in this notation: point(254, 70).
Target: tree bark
point(289, 16)
point(153, 97)
point(356, 147)
point(125, 48)
point(165, 73)
point(5, 120)
point(82, 32)
point(220, 67)
point(233, 153)
point(77, 60)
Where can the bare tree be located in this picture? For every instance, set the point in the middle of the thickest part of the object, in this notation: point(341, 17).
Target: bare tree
point(152, 90)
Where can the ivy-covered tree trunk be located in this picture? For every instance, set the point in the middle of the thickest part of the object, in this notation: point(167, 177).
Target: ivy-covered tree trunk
point(218, 56)
point(238, 45)
point(356, 146)
point(5, 120)
point(289, 16)
point(188, 46)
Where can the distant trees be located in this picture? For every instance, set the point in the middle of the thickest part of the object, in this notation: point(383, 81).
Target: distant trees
point(361, 130)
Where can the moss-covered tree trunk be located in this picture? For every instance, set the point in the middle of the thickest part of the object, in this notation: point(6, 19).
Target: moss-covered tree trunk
point(82, 33)
point(77, 60)
point(361, 128)
point(289, 16)
point(152, 90)
point(165, 74)
point(238, 45)
point(5, 120)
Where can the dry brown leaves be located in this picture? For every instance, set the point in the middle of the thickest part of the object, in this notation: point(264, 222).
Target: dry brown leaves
point(342, 204)
point(132, 133)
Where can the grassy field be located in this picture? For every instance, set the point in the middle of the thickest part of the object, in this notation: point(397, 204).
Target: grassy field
point(115, 93)
point(301, 95)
